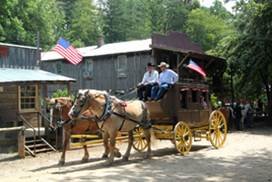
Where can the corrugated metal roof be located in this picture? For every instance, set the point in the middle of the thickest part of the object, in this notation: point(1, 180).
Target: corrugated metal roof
point(106, 49)
point(10, 75)
point(15, 45)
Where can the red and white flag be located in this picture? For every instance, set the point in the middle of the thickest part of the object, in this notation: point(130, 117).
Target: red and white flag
point(193, 66)
point(65, 49)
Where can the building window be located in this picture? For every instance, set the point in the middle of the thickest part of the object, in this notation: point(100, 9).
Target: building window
point(88, 69)
point(58, 68)
point(28, 97)
point(121, 66)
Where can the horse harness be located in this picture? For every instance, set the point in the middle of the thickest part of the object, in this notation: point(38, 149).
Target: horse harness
point(108, 111)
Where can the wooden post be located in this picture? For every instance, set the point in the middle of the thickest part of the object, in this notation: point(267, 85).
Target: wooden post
point(21, 144)
point(69, 88)
point(184, 59)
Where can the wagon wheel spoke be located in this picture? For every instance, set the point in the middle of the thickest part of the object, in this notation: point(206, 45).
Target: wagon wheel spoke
point(139, 140)
point(183, 138)
point(217, 129)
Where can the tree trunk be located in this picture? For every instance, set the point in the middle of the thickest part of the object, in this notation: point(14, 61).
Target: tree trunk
point(269, 102)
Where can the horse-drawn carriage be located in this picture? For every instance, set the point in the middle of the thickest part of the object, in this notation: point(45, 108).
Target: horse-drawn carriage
point(182, 115)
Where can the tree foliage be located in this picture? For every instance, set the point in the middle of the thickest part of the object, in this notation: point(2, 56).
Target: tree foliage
point(85, 25)
point(21, 20)
point(206, 28)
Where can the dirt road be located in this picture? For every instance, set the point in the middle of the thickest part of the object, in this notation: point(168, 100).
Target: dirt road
point(246, 156)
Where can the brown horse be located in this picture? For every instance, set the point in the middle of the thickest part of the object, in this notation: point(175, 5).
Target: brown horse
point(62, 106)
point(112, 116)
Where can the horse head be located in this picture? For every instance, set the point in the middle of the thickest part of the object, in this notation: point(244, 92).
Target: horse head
point(91, 101)
point(59, 109)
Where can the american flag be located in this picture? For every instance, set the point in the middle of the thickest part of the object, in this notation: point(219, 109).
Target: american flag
point(65, 49)
point(192, 65)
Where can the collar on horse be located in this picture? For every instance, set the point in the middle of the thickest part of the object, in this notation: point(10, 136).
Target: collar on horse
point(107, 111)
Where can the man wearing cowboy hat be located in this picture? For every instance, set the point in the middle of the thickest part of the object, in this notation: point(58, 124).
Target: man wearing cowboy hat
point(167, 79)
point(150, 79)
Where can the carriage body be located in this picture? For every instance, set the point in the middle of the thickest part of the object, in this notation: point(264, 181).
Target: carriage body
point(182, 103)
point(181, 115)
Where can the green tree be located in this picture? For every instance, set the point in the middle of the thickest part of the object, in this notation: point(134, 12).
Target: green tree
point(21, 20)
point(219, 10)
point(206, 29)
point(85, 25)
point(251, 49)
point(114, 19)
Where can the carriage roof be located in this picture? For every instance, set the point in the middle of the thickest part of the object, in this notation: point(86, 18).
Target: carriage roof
point(177, 43)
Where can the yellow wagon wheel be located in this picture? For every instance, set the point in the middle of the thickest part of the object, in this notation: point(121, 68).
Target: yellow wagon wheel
point(139, 140)
point(217, 129)
point(183, 138)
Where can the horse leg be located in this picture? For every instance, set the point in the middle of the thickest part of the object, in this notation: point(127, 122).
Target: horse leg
point(130, 141)
point(106, 144)
point(86, 154)
point(112, 147)
point(66, 134)
point(147, 133)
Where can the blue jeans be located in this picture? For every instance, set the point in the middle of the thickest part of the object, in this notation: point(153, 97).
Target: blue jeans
point(158, 91)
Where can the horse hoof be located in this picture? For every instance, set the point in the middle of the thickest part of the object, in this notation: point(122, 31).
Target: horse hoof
point(61, 163)
point(125, 158)
point(84, 160)
point(108, 163)
point(104, 156)
point(147, 156)
point(117, 154)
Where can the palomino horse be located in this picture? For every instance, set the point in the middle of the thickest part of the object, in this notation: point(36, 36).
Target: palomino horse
point(62, 106)
point(112, 116)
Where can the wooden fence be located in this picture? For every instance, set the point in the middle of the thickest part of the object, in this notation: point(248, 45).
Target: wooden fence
point(21, 138)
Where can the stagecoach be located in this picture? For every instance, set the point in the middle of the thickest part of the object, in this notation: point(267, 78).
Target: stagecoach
point(182, 118)
point(185, 113)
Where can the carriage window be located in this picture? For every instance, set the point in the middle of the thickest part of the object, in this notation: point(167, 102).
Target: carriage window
point(203, 100)
point(183, 99)
point(204, 94)
point(28, 96)
point(194, 96)
point(121, 66)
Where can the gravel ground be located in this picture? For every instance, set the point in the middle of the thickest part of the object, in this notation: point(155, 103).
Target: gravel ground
point(246, 156)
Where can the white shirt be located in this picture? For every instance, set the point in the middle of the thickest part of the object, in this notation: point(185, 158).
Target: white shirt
point(150, 77)
point(168, 76)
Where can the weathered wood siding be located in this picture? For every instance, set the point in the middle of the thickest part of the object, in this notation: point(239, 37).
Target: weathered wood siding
point(8, 109)
point(13, 56)
point(104, 74)
point(8, 106)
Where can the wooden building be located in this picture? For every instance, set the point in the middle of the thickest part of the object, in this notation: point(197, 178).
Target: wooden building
point(120, 66)
point(115, 66)
point(18, 56)
point(22, 89)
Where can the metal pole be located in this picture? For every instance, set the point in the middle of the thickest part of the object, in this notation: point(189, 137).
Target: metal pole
point(38, 54)
point(232, 88)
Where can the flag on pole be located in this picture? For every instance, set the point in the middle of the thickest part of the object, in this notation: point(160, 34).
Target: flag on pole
point(65, 49)
point(192, 65)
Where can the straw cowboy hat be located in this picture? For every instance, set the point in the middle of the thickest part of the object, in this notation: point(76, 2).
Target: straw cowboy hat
point(163, 64)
